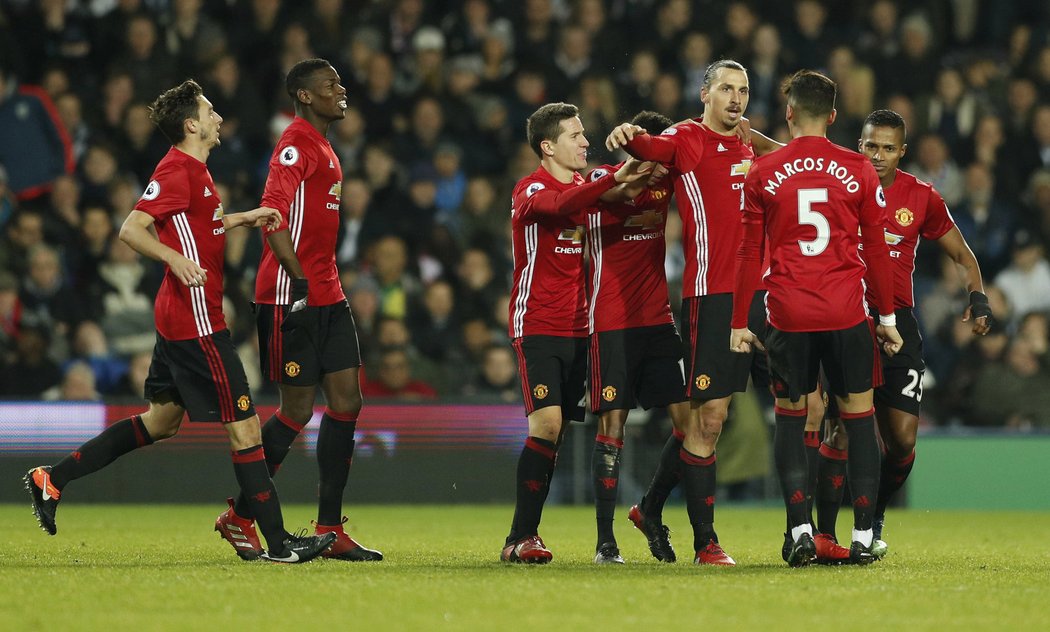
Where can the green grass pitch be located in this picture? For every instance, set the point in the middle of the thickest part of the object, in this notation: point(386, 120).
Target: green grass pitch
point(160, 567)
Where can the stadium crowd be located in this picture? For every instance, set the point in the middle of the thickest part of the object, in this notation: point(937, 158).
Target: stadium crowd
point(433, 143)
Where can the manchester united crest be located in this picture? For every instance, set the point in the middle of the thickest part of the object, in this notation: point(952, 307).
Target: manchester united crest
point(609, 393)
point(703, 381)
point(291, 369)
point(541, 391)
point(243, 402)
point(904, 216)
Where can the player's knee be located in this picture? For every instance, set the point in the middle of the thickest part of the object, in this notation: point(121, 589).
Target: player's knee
point(300, 413)
point(349, 404)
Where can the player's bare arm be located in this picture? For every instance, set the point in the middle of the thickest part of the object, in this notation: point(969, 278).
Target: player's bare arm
point(954, 245)
point(136, 233)
point(761, 143)
point(281, 244)
point(621, 135)
point(255, 218)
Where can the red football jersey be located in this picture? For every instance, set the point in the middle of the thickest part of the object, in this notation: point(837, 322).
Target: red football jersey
point(187, 213)
point(627, 246)
point(548, 296)
point(913, 209)
point(709, 187)
point(813, 196)
point(305, 184)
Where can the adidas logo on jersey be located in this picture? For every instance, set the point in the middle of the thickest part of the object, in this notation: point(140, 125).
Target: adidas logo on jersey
point(331, 165)
point(207, 192)
point(722, 147)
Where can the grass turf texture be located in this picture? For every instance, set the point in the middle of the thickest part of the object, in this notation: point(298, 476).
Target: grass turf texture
point(162, 567)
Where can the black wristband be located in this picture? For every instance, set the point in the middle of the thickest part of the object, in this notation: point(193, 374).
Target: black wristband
point(979, 307)
point(300, 289)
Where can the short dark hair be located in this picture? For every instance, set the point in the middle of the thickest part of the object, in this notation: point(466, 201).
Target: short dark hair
point(545, 123)
point(653, 122)
point(810, 93)
point(887, 118)
point(173, 107)
point(712, 70)
point(299, 76)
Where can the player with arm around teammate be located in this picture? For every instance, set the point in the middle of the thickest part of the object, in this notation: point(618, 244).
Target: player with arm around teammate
point(195, 368)
point(808, 202)
point(548, 306)
point(709, 161)
point(914, 210)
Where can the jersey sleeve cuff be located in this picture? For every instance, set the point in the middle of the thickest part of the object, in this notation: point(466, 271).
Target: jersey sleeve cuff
point(889, 320)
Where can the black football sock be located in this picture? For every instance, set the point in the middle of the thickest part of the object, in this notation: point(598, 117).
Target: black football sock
point(113, 442)
point(812, 441)
point(863, 466)
point(278, 435)
point(698, 482)
point(831, 481)
point(249, 465)
point(789, 452)
point(665, 479)
point(605, 470)
point(335, 452)
point(894, 473)
point(534, 466)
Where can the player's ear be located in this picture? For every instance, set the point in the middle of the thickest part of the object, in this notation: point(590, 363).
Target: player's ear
point(831, 117)
point(547, 148)
point(303, 95)
point(904, 149)
point(189, 126)
point(860, 145)
point(705, 96)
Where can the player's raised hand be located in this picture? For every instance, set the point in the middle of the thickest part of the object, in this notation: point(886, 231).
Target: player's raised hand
point(621, 134)
point(743, 130)
point(185, 270)
point(633, 170)
point(890, 339)
point(744, 341)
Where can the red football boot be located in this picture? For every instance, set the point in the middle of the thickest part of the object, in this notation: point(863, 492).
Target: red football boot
point(713, 554)
point(829, 551)
point(345, 547)
point(240, 533)
point(530, 550)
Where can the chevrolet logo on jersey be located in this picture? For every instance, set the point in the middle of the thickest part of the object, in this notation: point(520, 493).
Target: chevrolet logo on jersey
point(647, 220)
point(575, 235)
point(893, 239)
point(336, 190)
point(217, 216)
point(741, 168)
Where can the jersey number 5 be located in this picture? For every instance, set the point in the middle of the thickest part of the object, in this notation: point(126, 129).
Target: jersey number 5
point(808, 217)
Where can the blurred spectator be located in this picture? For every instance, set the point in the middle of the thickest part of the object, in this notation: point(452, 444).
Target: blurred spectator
point(933, 164)
point(498, 377)
point(29, 120)
point(10, 316)
point(1012, 393)
point(32, 371)
point(192, 37)
point(986, 221)
point(98, 169)
point(151, 68)
point(765, 70)
point(389, 269)
point(380, 105)
point(78, 385)
point(360, 226)
point(809, 38)
point(71, 113)
point(1036, 151)
point(90, 348)
point(740, 33)
point(1026, 282)
point(434, 323)
point(348, 138)
point(913, 70)
point(478, 284)
point(696, 55)
point(952, 111)
point(24, 231)
point(8, 205)
point(124, 300)
point(393, 379)
point(47, 298)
